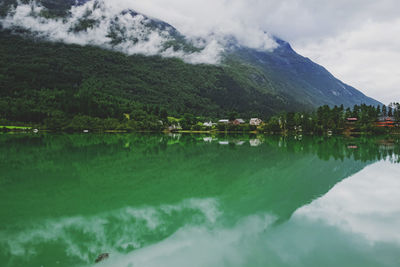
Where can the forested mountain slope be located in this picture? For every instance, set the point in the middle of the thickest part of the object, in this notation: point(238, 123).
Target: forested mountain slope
point(47, 73)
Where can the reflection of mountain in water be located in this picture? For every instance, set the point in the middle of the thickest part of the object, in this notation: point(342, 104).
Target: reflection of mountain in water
point(128, 191)
point(161, 169)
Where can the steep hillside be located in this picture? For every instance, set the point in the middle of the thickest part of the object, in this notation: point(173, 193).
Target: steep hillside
point(298, 76)
point(40, 78)
point(92, 61)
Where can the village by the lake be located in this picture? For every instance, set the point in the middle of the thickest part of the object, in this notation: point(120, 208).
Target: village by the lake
point(325, 120)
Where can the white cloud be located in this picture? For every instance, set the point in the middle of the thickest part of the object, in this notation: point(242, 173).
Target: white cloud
point(136, 34)
point(368, 57)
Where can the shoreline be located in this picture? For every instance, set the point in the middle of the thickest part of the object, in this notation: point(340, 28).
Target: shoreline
point(31, 130)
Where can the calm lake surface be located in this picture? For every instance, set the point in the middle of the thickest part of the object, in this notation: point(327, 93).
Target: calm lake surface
point(194, 200)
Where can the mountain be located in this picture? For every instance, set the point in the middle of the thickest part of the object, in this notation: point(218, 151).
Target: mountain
point(298, 76)
point(63, 58)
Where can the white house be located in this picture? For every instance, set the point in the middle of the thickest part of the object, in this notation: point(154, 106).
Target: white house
point(223, 121)
point(208, 124)
point(175, 127)
point(255, 121)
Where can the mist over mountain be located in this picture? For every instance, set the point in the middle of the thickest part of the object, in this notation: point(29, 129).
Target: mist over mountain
point(97, 22)
point(207, 75)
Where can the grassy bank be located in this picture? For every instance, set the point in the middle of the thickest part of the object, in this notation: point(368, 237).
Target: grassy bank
point(16, 128)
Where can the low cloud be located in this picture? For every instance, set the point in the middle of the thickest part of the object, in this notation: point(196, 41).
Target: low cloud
point(103, 24)
point(367, 56)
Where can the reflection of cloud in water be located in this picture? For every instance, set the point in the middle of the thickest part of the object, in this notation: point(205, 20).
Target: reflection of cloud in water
point(199, 246)
point(367, 203)
point(118, 232)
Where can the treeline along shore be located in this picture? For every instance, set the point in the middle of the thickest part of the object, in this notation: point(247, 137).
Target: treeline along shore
point(324, 120)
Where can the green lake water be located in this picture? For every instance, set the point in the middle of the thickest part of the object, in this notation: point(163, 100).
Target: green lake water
point(198, 200)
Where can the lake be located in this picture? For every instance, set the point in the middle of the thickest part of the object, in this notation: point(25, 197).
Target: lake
point(199, 200)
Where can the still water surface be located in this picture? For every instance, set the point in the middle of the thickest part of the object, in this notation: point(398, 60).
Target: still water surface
point(193, 200)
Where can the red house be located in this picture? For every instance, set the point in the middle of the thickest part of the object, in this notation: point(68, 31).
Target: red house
point(238, 121)
point(385, 122)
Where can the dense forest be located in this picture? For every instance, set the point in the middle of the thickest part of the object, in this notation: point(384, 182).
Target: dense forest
point(361, 118)
point(326, 148)
point(53, 83)
point(64, 87)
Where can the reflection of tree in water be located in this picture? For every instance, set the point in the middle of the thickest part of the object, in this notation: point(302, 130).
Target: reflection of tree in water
point(367, 148)
point(96, 174)
point(154, 164)
point(278, 168)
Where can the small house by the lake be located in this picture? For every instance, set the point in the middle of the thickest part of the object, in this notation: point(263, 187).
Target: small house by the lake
point(351, 121)
point(175, 127)
point(255, 121)
point(208, 124)
point(385, 122)
point(224, 121)
point(238, 121)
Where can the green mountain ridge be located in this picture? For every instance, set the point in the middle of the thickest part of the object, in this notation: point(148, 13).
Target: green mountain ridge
point(42, 78)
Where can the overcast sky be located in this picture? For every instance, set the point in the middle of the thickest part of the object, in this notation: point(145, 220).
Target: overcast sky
point(357, 40)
